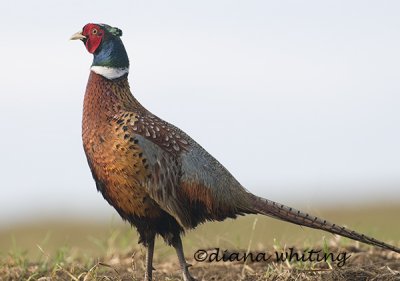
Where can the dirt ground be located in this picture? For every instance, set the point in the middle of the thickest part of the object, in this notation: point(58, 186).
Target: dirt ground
point(65, 250)
point(363, 264)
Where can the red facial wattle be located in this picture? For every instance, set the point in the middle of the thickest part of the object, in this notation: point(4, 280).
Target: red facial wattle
point(94, 35)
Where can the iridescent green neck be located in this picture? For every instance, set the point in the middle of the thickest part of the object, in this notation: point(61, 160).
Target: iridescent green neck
point(111, 53)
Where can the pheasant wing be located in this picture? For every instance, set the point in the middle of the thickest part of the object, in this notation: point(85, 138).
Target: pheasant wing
point(182, 177)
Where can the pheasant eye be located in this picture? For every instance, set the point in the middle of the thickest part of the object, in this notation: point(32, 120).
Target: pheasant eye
point(94, 31)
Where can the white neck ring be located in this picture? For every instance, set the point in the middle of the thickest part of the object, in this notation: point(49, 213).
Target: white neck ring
point(110, 72)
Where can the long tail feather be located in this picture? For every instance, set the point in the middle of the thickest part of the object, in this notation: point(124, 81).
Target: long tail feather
point(285, 213)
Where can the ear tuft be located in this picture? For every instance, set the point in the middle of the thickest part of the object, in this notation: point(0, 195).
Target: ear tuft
point(115, 31)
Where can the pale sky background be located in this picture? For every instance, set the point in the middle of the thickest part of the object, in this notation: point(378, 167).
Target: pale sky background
point(298, 99)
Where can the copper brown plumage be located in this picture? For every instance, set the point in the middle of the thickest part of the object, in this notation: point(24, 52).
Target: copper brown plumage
point(152, 173)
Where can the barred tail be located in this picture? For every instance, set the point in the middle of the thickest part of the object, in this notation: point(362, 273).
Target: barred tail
point(285, 213)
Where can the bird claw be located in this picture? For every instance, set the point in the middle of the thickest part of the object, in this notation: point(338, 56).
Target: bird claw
point(186, 274)
point(189, 278)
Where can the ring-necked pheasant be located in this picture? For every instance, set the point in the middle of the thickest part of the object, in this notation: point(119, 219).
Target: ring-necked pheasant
point(156, 176)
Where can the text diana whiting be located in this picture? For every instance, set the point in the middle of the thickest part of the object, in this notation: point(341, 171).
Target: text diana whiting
point(218, 255)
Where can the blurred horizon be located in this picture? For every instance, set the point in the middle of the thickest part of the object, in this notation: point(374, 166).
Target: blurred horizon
point(299, 101)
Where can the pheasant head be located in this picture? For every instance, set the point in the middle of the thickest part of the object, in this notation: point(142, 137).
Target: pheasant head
point(109, 55)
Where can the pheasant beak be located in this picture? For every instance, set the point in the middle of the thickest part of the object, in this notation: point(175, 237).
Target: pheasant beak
point(77, 36)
